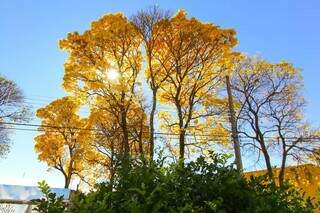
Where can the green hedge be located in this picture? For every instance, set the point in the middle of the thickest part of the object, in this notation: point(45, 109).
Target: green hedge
point(197, 186)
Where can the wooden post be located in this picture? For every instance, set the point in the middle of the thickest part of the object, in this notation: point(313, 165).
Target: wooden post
point(234, 128)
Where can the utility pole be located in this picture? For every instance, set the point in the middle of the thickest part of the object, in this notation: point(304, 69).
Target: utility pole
point(234, 128)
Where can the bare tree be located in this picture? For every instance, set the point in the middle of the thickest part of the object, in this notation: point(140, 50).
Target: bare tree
point(271, 109)
point(294, 136)
point(4, 141)
point(12, 109)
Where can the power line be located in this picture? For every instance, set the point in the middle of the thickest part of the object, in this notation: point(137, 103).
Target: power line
point(35, 102)
point(41, 128)
point(89, 129)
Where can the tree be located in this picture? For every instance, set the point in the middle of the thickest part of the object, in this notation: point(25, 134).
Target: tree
point(4, 144)
point(147, 23)
point(102, 68)
point(12, 109)
point(107, 143)
point(193, 55)
point(63, 142)
point(271, 109)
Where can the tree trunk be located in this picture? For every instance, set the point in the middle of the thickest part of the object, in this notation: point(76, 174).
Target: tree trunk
point(67, 180)
point(125, 132)
point(112, 164)
point(140, 137)
point(260, 139)
point(151, 123)
point(182, 131)
point(181, 144)
point(282, 169)
point(234, 129)
point(126, 154)
point(267, 159)
point(68, 173)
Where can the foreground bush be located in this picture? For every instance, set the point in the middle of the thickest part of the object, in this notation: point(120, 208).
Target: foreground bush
point(197, 186)
point(50, 203)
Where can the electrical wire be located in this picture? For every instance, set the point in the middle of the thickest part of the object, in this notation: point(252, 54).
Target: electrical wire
point(54, 128)
point(37, 102)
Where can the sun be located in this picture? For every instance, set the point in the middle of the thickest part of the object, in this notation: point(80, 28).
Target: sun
point(113, 74)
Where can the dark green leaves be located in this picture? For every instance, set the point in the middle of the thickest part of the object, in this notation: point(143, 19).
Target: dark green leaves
point(50, 203)
point(198, 186)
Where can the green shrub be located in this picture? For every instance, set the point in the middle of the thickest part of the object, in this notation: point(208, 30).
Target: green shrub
point(50, 203)
point(197, 186)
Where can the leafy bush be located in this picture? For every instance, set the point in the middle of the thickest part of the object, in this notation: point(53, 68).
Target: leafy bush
point(50, 203)
point(197, 186)
point(280, 199)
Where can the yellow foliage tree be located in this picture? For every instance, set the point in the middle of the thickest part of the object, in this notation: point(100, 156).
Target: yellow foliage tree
point(63, 141)
point(194, 55)
point(108, 142)
point(186, 63)
point(147, 23)
point(103, 66)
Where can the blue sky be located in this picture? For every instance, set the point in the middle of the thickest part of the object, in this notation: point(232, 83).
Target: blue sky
point(29, 53)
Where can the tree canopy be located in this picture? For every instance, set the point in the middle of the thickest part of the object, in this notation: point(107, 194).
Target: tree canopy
point(12, 109)
point(159, 81)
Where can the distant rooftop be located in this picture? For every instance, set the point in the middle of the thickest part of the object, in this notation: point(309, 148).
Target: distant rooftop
point(16, 192)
